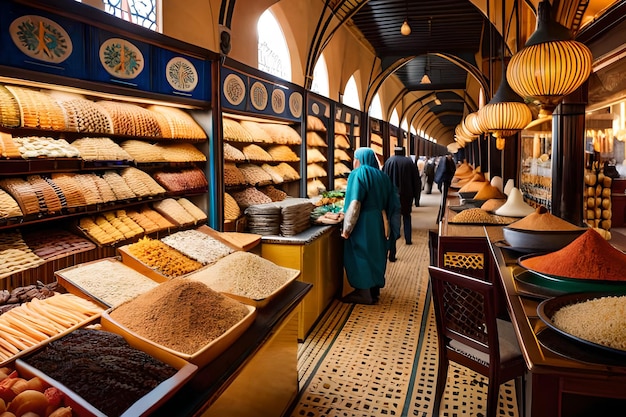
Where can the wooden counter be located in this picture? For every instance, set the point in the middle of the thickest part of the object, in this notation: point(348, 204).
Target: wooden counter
point(576, 381)
point(245, 365)
point(318, 254)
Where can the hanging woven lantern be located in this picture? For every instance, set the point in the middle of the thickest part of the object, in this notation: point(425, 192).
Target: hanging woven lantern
point(505, 115)
point(471, 124)
point(551, 65)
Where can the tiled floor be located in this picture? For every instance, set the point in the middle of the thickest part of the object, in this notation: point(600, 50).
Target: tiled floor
point(381, 360)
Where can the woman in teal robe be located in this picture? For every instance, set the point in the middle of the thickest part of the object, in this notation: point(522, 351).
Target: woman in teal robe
point(371, 209)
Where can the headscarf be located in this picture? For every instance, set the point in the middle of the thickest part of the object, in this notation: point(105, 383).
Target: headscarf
point(366, 156)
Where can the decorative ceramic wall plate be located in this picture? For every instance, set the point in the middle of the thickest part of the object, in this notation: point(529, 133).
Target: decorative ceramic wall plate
point(258, 95)
point(234, 89)
point(41, 38)
point(315, 108)
point(121, 58)
point(181, 74)
point(295, 104)
point(278, 101)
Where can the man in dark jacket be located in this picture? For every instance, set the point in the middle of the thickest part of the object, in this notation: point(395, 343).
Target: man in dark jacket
point(443, 179)
point(429, 173)
point(404, 174)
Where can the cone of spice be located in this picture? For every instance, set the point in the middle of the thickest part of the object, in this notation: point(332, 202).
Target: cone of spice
point(589, 256)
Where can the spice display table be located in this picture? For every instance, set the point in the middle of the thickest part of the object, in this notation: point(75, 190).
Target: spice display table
point(256, 375)
point(572, 382)
point(318, 254)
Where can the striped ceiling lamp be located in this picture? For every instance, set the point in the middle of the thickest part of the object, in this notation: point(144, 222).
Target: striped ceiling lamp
point(551, 65)
point(505, 115)
point(471, 124)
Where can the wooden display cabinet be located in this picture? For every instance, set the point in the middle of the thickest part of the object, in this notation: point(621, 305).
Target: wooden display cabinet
point(318, 254)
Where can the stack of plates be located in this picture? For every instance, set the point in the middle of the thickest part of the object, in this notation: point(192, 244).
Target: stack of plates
point(264, 219)
point(296, 213)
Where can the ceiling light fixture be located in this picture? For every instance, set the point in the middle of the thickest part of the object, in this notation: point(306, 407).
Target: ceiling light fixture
point(506, 113)
point(425, 78)
point(405, 29)
point(551, 65)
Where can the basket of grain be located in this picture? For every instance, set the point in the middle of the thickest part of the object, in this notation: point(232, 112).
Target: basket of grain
point(595, 319)
point(247, 277)
point(183, 317)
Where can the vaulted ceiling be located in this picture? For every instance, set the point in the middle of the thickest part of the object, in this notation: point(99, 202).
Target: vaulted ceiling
point(450, 40)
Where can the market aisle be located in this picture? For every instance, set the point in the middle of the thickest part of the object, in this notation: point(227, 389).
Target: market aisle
point(381, 360)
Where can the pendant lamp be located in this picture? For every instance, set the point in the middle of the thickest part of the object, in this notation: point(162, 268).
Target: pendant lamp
point(504, 115)
point(551, 65)
point(471, 124)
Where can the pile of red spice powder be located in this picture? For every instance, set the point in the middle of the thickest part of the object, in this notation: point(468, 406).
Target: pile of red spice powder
point(590, 256)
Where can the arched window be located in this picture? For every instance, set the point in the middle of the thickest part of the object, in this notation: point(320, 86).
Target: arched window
point(395, 119)
point(351, 94)
point(141, 12)
point(320, 78)
point(376, 109)
point(405, 125)
point(274, 55)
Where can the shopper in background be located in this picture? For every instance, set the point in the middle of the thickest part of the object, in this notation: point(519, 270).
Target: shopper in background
point(420, 162)
point(371, 215)
point(403, 173)
point(429, 174)
point(443, 178)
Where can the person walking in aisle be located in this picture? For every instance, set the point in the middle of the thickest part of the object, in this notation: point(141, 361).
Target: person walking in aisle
point(404, 174)
point(443, 179)
point(420, 162)
point(371, 215)
point(429, 174)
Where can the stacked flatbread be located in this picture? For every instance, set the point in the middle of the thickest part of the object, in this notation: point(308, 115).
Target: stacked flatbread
point(233, 131)
point(254, 152)
point(180, 152)
point(39, 110)
point(233, 154)
point(277, 177)
point(315, 139)
point(15, 255)
point(84, 115)
point(100, 149)
point(231, 208)
point(282, 134)
point(315, 171)
point(141, 182)
point(342, 142)
point(233, 175)
point(10, 115)
point(283, 153)
point(177, 123)
point(131, 119)
point(172, 210)
point(314, 155)
point(255, 175)
point(314, 123)
point(256, 131)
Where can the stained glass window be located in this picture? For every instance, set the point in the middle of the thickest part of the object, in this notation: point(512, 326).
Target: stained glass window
point(141, 12)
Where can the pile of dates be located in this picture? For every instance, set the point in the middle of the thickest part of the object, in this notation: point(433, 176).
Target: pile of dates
point(19, 295)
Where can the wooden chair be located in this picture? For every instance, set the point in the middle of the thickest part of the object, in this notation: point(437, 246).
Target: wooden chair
point(471, 335)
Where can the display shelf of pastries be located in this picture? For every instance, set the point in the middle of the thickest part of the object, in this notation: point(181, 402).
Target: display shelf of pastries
point(62, 162)
point(261, 164)
point(317, 152)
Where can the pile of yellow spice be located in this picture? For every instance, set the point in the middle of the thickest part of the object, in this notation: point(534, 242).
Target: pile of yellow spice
point(165, 259)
